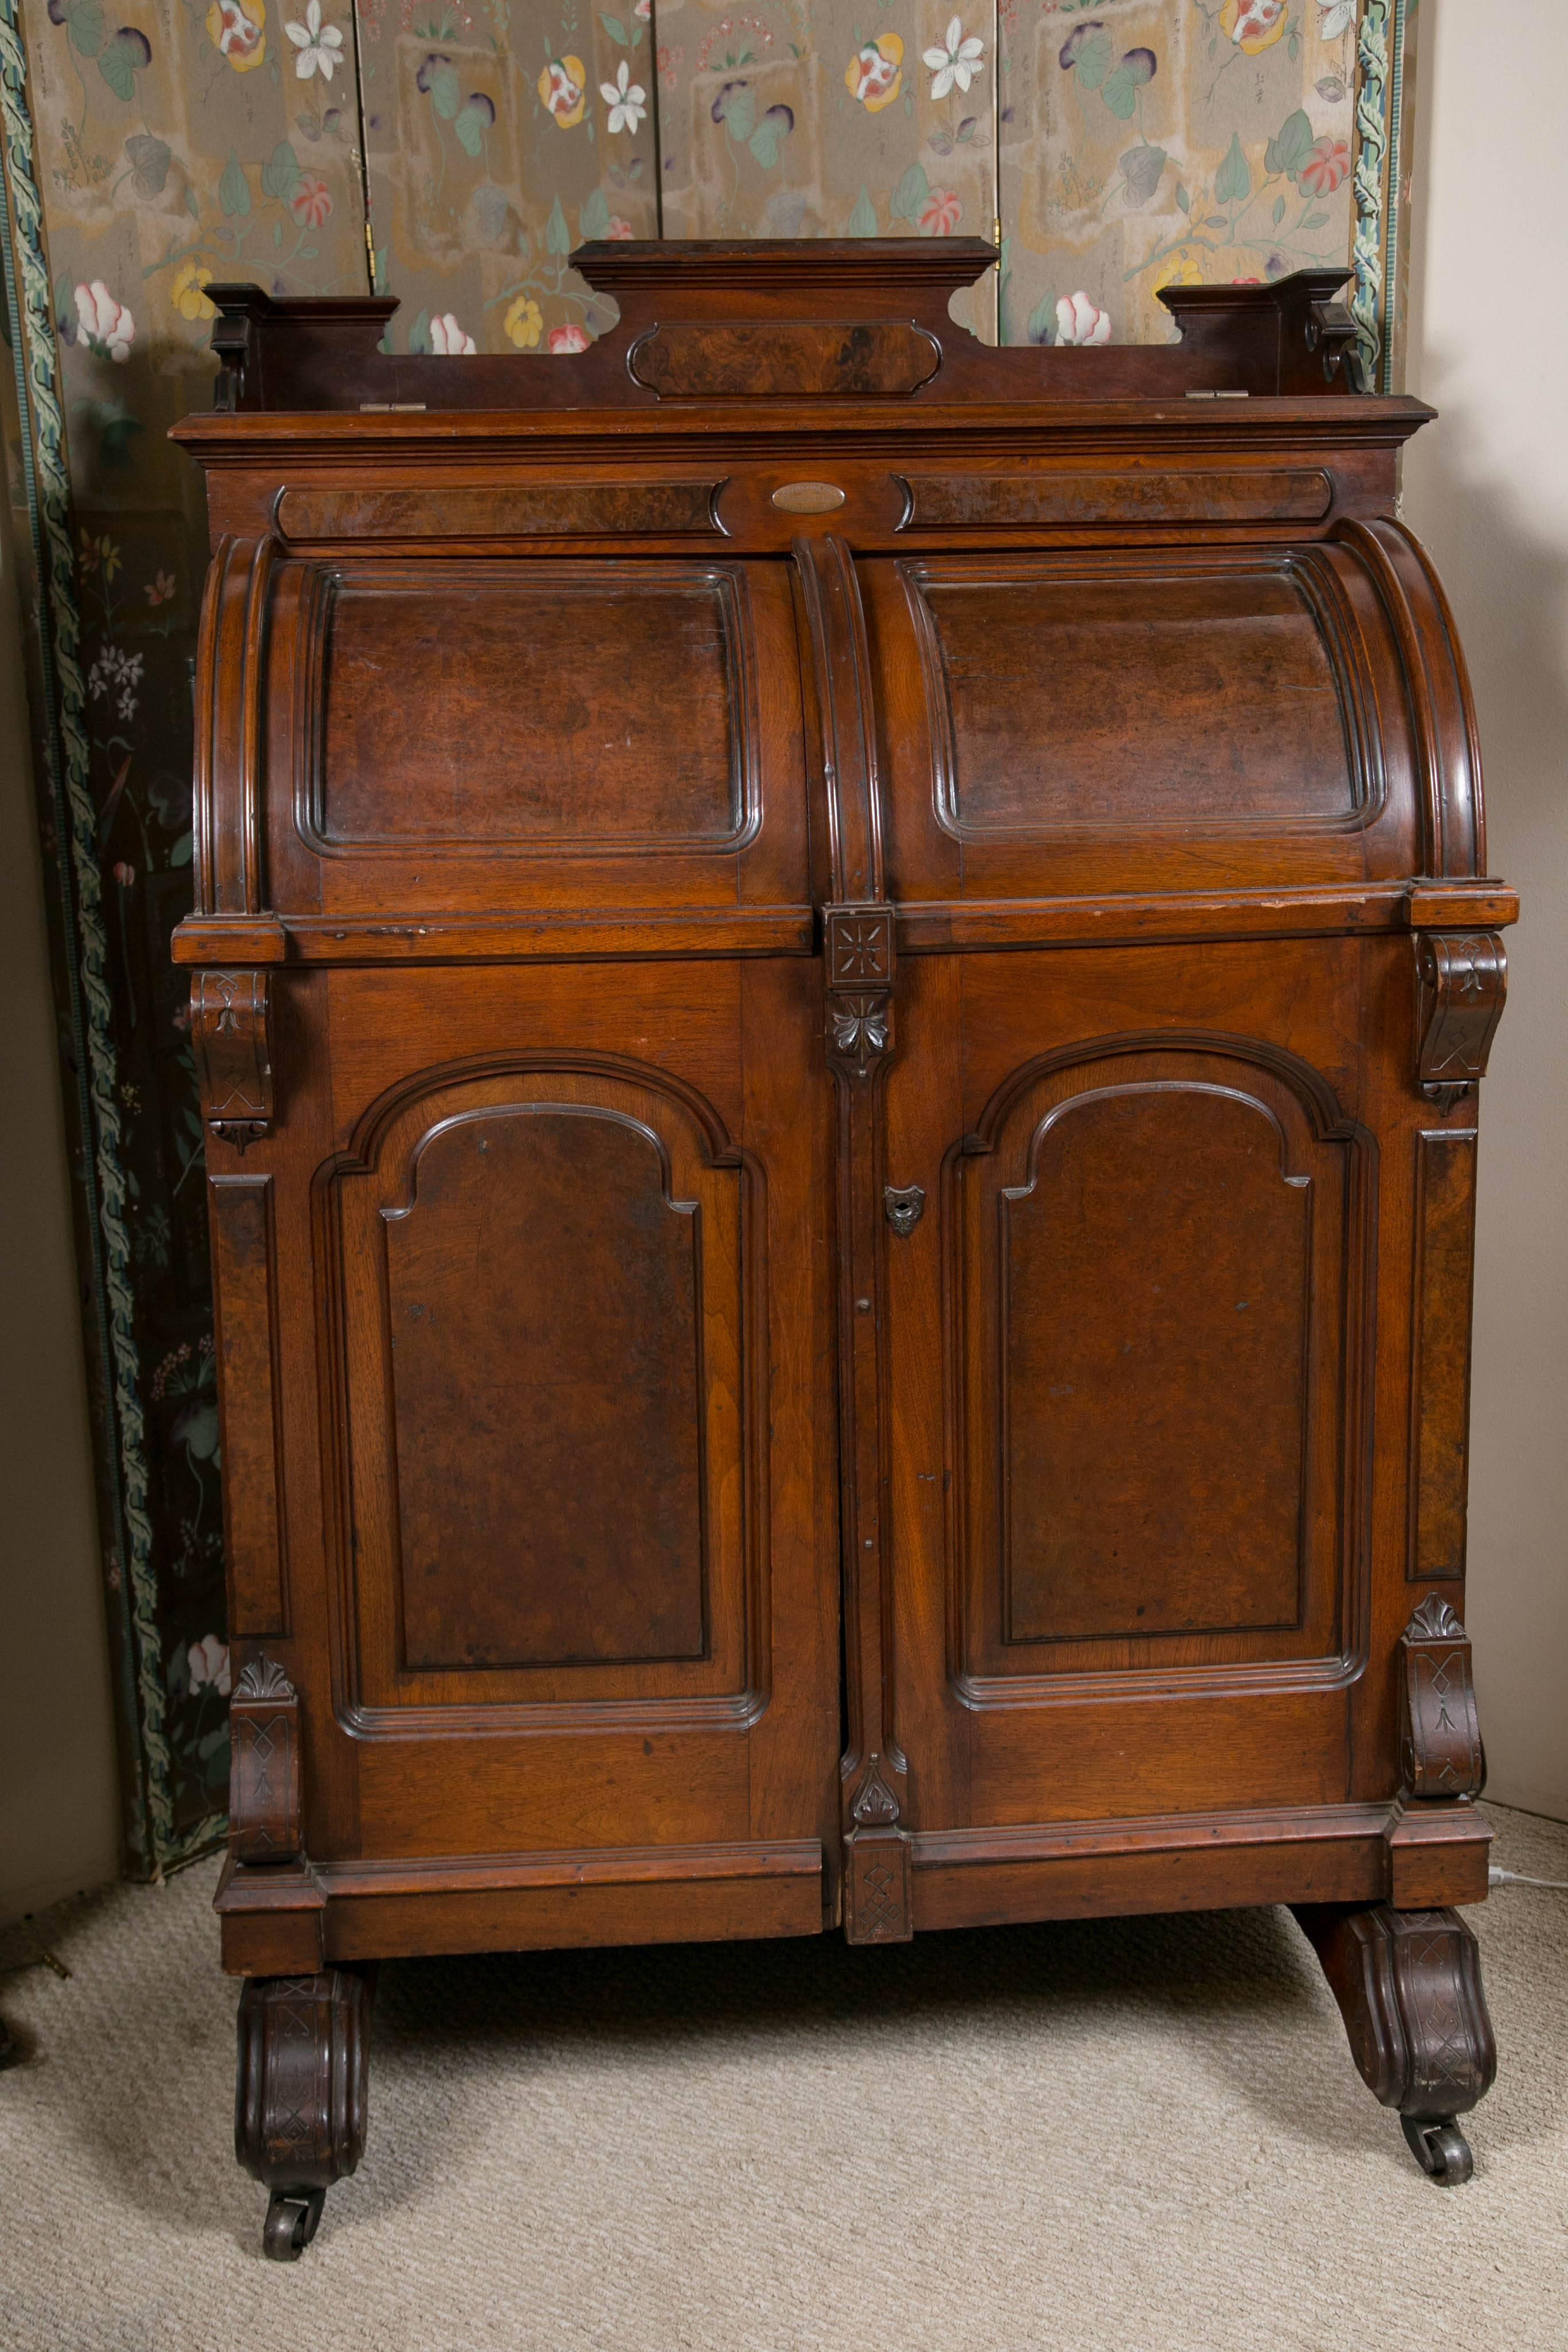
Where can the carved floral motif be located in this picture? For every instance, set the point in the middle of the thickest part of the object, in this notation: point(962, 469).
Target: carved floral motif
point(859, 1027)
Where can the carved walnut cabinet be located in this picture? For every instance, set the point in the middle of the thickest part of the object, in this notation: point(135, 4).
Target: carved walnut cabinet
point(840, 980)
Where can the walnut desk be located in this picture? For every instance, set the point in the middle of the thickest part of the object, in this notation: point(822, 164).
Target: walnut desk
point(840, 980)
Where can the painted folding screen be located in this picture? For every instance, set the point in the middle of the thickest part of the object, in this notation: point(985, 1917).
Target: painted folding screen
point(152, 146)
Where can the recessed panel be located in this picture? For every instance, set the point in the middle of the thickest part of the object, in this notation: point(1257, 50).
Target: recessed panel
point(1138, 699)
point(1153, 1333)
point(544, 1316)
point(543, 704)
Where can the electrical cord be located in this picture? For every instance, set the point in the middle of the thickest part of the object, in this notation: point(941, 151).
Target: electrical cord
point(1496, 1877)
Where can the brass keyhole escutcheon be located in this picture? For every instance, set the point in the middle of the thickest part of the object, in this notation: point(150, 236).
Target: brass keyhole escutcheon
point(904, 1204)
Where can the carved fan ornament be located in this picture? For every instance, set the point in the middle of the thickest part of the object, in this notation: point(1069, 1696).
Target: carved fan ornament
point(264, 1678)
point(878, 1905)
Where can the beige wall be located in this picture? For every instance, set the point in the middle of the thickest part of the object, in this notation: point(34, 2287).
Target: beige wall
point(59, 1803)
point(1486, 488)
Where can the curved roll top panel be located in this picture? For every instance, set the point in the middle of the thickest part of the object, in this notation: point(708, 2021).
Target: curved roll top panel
point(1147, 720)
point(388, 739)
point(537, 752)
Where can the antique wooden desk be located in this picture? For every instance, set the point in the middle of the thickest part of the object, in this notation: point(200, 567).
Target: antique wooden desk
point(840, 980)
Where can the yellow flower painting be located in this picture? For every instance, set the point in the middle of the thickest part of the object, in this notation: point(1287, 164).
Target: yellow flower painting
point(525, 322)
point(187, 294)
point(875, 74)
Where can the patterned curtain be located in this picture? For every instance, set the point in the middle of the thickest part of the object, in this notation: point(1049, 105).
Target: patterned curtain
point(453, 152)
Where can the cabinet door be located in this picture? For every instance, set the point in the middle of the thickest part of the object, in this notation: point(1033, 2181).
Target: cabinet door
point(573, 1271)
point(551, 1241)
point(1131, 1368)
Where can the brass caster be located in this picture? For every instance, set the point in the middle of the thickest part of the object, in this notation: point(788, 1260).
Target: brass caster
point(293, 2216)
point(1440, 2149)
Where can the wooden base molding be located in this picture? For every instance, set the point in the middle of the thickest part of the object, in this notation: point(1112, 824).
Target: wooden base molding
point(277, 1920)
point(1072, 1869)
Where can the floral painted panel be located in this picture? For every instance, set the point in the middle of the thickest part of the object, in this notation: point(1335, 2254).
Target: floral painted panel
point(498, 136)
point(1151, 142)
point(185, 143)
point(848, 119)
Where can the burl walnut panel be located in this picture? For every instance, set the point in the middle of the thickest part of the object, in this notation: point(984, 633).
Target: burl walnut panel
point(548, 703)
point(240, 1222)
point(1440, 1412)
point(552, 1390)
point(1153, 1277)
point(543, 1293)
point(1157, 1276)
point(1114, 701)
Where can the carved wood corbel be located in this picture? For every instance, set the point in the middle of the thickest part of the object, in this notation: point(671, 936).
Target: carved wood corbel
point(1442, 1736)
point(1462, 980)
point(231, 1033)
point(264, 1825)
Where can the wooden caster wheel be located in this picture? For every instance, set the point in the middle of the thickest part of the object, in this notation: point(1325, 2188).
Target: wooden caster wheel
point(293, 2217)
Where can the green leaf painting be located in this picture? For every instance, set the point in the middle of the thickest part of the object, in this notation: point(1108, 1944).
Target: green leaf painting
point(234, 188)
point(280, 173)
point(1232, 180)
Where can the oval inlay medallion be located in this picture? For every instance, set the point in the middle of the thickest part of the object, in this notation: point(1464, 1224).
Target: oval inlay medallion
point(808, 498)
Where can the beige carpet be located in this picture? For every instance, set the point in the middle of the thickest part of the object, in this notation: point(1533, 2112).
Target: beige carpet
point(1128, 2134)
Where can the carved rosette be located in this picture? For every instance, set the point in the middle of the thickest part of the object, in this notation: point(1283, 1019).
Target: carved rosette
point(1462, 979)
point(299, 2103)
point(1442, 1743)
point(264, 1766)
point(231, 1032)
point(858, 944)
